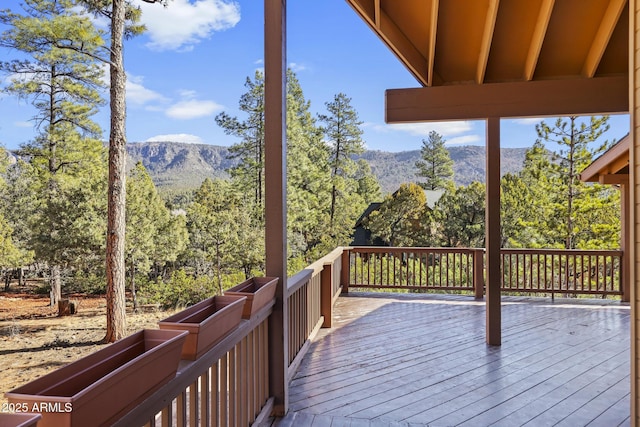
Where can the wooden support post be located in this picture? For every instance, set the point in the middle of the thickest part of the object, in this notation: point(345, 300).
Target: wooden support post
point(326, 295)
point(478, 273)
point(625, 242)
point(492, 230)
point(275, 196)
point(345, 270)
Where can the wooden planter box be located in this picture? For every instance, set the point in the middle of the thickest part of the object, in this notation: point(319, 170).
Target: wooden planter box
point(19, 420)
point(259, 292)
point(103, 386)
point(207, 323)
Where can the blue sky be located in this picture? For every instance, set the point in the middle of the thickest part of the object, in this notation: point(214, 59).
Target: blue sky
point(196, 55)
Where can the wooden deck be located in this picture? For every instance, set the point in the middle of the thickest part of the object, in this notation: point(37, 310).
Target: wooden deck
point(418, 360)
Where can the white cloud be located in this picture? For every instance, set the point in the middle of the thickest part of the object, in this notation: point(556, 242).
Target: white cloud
point(527, 121)
point(23, 124)
point(443, 128)
point(192, 109)
point(177, 137)
point(297, 67)
point(465, 140)
point(138, 94)
point(182, 24)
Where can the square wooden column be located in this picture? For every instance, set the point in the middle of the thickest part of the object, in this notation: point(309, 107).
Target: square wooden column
point(492, 233)
point(275, 160)
point(634, 208)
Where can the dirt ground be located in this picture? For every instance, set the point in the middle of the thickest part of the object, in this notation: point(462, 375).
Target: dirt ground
point(35, 341)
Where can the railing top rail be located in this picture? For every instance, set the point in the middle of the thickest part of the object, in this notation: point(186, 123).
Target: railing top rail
point(391, 249)
point(330, 258)
point(299, 279)
point(601, 252)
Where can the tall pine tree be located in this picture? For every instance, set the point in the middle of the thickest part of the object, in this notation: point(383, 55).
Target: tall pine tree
point(435, 164)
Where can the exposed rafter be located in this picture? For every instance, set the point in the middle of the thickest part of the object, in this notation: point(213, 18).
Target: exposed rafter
point(538, 38)
point(487, 37)
point(393, 36)
point(601, 40)
point(376, 13)
point(433, 30)
point(515, 99)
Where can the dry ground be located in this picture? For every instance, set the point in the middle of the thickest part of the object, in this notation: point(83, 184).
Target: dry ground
point(34, 341)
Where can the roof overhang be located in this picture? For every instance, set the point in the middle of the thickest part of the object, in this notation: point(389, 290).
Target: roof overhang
point(612, 167)
point(491, 58)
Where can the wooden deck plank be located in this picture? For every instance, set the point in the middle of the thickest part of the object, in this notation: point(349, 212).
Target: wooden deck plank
point(417, 359)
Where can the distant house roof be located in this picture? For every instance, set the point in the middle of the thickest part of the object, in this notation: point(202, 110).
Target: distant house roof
point(432, 197)
point(372, 207)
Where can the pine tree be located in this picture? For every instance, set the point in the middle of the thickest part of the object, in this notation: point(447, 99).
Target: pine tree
point(64, 88)
point(249, 172)
point(576, 152)
point(342, 132)
point(435, 164)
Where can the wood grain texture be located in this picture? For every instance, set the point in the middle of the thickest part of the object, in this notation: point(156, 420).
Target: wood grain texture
point(418, 360)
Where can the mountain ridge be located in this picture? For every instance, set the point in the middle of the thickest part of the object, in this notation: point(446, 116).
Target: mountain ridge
point(185, 166)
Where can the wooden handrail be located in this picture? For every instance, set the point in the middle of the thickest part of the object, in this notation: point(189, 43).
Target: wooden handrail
point(462, 269)
point(189, 373)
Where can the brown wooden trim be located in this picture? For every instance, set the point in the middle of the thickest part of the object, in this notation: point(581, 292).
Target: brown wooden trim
point(515, 99)
point(601, 40)
point(188, 371)
point(617, 179)
point(295, 364)
point(275, 194)
point(487, 37)
point(538, 38)
point(612, 161)
point(492, 230)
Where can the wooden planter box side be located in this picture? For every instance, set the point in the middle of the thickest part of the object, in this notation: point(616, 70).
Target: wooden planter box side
point(102, 387)
point(207, 322)
point(19, 420)
point(259, 292)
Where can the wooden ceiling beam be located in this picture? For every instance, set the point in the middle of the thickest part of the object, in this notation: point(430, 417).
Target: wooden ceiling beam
point(433, 27)
point(516, 99)
point(393, 37)
point(601, 40)
point(538, 38)
point(618, 179)
point(487, 37)
point(376, 13)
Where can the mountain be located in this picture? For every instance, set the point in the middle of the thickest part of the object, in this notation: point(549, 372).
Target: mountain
point(182, 166)
point(178, 165)
point(392, 169)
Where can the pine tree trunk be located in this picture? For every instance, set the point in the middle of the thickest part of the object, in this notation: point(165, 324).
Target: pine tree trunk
point(134, 297)
point(115, 262)
point(56, 285)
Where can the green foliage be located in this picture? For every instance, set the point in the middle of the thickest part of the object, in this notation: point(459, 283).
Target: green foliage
point(548, 206)
point(183, 289)
point(65, 174)
point(460, 216)
point(435, 164)
point(249, 173)
point(397, 222)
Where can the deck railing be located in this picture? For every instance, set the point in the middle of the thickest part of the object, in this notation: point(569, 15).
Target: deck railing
point(416, 269)
point(580, 272)
point(552, 271)
point(227, 386)
point(311, 294)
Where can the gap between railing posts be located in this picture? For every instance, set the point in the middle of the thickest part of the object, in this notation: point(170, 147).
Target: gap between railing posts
point(345, 269)
point(478, 273)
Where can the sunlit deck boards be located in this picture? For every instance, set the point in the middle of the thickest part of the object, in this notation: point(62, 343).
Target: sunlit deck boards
point(422, 360)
